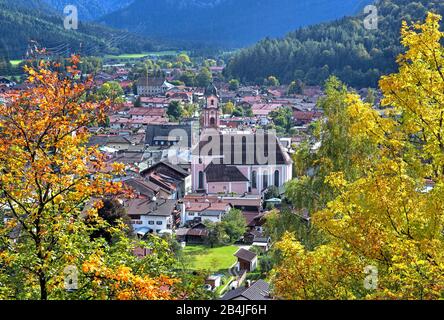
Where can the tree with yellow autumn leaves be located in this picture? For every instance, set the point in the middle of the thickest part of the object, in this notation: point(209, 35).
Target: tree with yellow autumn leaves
point(48, 175)
point(387, 221)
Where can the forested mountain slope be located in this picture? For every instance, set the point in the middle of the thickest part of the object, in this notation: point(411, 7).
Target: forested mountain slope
point(25, 20)
point(226, 22)
point(344, 48)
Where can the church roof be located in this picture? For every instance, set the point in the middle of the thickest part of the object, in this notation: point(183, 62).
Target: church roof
point(224, 173)
point(211, 90)
point(243, 149)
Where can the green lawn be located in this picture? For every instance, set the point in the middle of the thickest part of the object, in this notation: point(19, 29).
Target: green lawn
point(129, 56)
point(213, 259)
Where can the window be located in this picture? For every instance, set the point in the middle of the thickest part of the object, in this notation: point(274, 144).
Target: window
point(151, 222)
point(276, 178)
point(265, 180)
point(201, 180)
point(244, 150)
point(254, 179)
point(159, 223)
point(212, 102)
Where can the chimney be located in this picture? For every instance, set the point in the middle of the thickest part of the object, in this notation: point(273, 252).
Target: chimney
point(247, 283)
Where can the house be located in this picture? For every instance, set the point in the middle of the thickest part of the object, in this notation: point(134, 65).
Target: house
point(116, 142)
point(259, 290)
point(302, 117)
point(140, 113)
point(182, 96)
point(246, 260)
point(152, 215)
point(154, 102)
point(245, 203)
point(257, 222)
point(214, 281)
point(264, 109)
point(169, 134)
point(197, 234)
point(153, 86)
point(258, 239)
point(201, 209)
point(146, 188)
point(171, 173)
point(248, 91)
point(133, 160)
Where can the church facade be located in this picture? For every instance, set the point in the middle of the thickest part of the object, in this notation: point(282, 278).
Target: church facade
point(227, 162)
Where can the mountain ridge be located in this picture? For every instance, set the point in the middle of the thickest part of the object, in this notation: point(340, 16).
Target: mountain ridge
point(233, 23)
point(26, 20)
point(345, 48)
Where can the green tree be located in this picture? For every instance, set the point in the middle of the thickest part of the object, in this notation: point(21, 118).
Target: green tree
point(111, 90)
point(233, 85)
point(175, 111)
point(296, 87)
point(234, 224)
point(204, 78)
point(189, 110)
point(184, 59)
point(339, 150)
point(228, 108)
point(216, 234)
point(371, 96)
point(282, 119)
point(113, 214)
point(189, 78)
point(272, 192)
point(271, 81)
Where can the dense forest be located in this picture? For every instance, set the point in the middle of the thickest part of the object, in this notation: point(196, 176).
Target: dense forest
point(345, 48)
point(227, 23)
point(25, 20)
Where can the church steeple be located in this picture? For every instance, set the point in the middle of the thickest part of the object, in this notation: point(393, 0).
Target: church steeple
point(211, 112)
point(211, 90)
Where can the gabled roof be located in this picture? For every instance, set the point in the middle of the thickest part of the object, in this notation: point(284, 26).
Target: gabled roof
point(260, 290)
point(207, 207)
point(144, 187)
point(150, 81)
point(246, 255)
point(177, 169)
point(101, 140)
point(160, 207)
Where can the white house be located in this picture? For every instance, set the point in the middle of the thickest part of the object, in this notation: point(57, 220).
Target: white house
point(152, 215)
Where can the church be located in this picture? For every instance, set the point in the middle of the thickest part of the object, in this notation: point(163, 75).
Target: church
point(228, 162)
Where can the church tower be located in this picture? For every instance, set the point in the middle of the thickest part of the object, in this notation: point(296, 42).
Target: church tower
point(211, 112)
